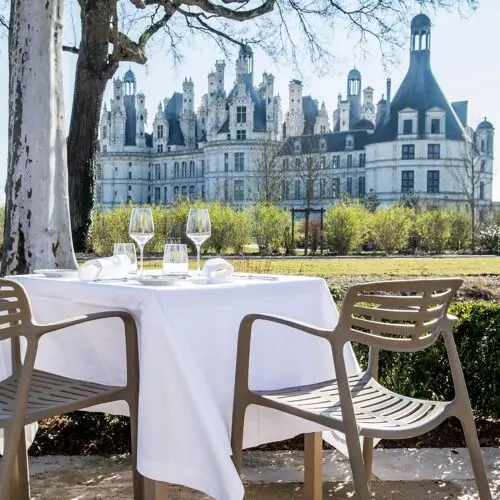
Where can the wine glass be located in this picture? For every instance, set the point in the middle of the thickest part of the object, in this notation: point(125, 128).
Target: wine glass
point(175, 259)
point(141, 229)
point(127, 249)
point(198, 230)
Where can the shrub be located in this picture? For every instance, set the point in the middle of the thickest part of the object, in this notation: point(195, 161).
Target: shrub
point(268, 225)
point(223, 222)
point(426, 374)
point(460, 230)
point(111, 226)
point(433, 228)
point(489, 239)
point(390, 228)
point(344, 225)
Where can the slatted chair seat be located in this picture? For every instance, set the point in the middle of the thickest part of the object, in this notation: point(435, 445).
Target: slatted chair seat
point(379, 412)
point(400, 316)
point(51, 393)
point(29, 395)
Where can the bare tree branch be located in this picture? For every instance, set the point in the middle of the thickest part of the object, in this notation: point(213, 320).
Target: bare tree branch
point(73, 50)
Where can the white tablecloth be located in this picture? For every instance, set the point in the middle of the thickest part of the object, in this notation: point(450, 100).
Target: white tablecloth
point(187, 346)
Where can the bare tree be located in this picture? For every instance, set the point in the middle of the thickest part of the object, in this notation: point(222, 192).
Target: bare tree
point(472, 178)
point(269, 172)
point(310, 169)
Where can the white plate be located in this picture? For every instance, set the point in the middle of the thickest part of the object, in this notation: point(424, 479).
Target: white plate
point(55, 273)
point(205, 281)
point(158, 280)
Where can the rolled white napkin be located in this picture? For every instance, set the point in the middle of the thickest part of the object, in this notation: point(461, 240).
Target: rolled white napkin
point(217, 269)
point(117, 266)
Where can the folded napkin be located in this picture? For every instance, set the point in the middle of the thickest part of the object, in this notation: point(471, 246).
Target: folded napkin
point(117, 266)
point(217, 269)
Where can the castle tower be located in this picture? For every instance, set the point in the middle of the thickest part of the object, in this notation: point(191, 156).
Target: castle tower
point(160, 130)
point(295, 116)
point(322, 125)
point(105, 129)
point(188, 118)
point(220, 67)
point(267, 94)
point(381, 111)
point(485, 133)
point(141, 119)
point(354, 95)
point(129, 85)
point(244, 66)
point(118, 116)
point(368, 109)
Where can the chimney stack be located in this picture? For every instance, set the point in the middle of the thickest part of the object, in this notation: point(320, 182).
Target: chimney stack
point(388, 105)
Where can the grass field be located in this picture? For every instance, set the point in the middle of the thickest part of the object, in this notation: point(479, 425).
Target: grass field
point(445, 266)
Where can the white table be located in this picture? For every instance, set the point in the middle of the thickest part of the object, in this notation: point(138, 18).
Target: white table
point(187, 349)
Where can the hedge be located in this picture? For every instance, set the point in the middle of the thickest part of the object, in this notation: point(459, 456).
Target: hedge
point(348, 227)
point(425, 374)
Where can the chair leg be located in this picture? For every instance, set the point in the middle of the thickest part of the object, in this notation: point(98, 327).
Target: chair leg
point(237, 428)
point(138, 479)
point(368, 458)
point(476, 458)
point(313, 466)
point(20, 480)
point(357, 465)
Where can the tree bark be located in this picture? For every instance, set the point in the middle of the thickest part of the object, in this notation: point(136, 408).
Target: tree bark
point(93, 70)
point(37, 223)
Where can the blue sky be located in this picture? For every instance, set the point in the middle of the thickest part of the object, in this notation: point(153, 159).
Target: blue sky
point(464, 58)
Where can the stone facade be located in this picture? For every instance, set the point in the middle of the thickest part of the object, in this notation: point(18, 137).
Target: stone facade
point(415, 142)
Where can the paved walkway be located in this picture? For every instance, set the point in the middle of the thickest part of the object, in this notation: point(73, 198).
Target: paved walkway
point(400, 475)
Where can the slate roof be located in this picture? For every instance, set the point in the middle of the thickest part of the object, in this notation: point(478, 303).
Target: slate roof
point(129, 76)
point(485, 125)
point(173, 113)
point(420, 21)
point(310, 110)
point(419, 91)
point(363, 124)
point(335, 142)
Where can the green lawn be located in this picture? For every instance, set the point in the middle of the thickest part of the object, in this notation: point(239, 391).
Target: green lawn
point(472, 266)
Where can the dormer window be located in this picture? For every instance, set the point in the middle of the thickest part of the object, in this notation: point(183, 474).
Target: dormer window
point(435, 121)
point(349, 142)
point(296, 146)
point(407, 122)
point(322, 144)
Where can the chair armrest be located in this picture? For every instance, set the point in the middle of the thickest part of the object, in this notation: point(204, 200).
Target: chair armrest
point(43, 329)
point(244, 341)
point(250, 319)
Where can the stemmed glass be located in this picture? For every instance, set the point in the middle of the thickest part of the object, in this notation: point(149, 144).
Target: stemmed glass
point(198, 230)
point(141, 229)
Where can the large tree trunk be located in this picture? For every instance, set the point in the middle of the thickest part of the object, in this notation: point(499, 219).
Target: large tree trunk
point(92, 75)
point(37, 222)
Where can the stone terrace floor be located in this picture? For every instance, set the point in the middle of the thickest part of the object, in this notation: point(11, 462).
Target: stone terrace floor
point(401, 474)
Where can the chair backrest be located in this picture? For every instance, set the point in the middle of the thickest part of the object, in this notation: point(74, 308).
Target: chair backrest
point(15, 310)
point(405, 315)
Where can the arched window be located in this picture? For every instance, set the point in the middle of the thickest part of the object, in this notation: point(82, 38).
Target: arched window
point(176, 170)
point(105, 132)
point(191, 168)
point(184, 170)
